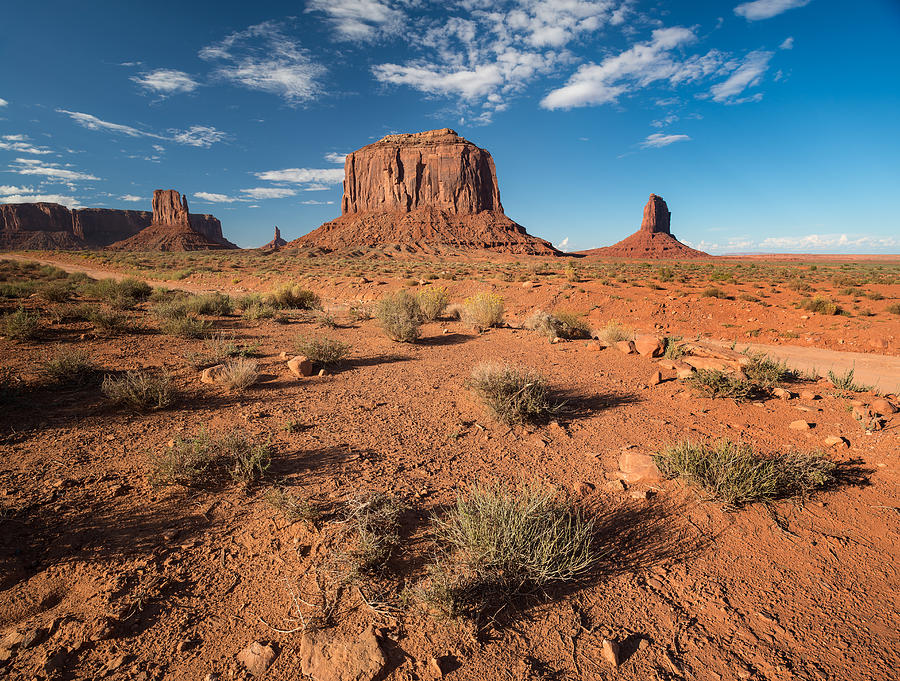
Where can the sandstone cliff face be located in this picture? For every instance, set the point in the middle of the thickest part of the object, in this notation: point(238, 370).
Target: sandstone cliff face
point(653, 241)
point(276, 243)
point(102, 226)
point(438, 169)
point(423, 191)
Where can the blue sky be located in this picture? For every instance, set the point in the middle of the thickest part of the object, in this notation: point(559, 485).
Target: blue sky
point(768, 125)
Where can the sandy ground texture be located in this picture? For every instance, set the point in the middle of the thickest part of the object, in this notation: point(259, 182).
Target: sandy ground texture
point(103, 575)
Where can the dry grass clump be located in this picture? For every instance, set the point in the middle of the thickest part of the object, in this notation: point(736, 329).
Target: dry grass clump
point(55, 292)
point(718, 384)
point(558, 325)
point(239, 374)
point(121, 294)
point(482, 311)
point(293, 296)
point(400, 316)
point(433, 300)
point(292, 507)
point(766, 373)
point(615, 331)
point(847, 382)
point(69, 366)
point(498, 543)
point(514, 395)
point(219, 348)
point(820, 305)
point(673, 348)
point(713, 292)
point(141, 391)
point(200, 458)
point(325, 351)
point(894, 308)
point(22, 325)
point(189, 326)
point(374, 524)
point(731, 472)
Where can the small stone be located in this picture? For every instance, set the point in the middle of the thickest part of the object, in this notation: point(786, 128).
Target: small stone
point(836, 441)
point(648, 345)
point(800, 425)
point(882, 407)
point(256, 658)
point(685, 373)
point(300, 366)
point(655, 378)
point(527, 284)
point(610, 652)
point(625, 346)
point(283, 355)
point(615, 486)
point(636, 466)
point(861, 413)
point(783, 394)
point(583, 488)
point(809, 395)
point(322, 372)
point(641, 494)
point(329, 657)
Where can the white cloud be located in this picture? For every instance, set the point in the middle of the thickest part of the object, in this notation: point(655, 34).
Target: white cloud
point(199, 136)
point(766, 9)
point(20, 144)
point(269, 192)
point(748, 74)
point(166, 82)
point(332, 157)
point(12, 189)
point(304, 175)
point(132, 198)
point(215, 198)
point(62, 199)
point(263, 58)
point(316, 188)
point(316, 203)
point(563, 244)
point(359, 19)
point(3, 102)
point(657, 140)
point(31, 166)
point(788, 44)
point(805, 243)
point(641, 65)
point(195, 136)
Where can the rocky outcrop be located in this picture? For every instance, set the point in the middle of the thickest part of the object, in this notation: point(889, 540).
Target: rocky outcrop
point(50, 226)
point(276, 243)
point(423, 191)
point(653, 241)
point(174, 228)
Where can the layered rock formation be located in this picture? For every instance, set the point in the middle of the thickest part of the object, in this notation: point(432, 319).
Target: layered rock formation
point(276, 243)
point(174, 228)
point(50, 226)
point(653, 241)
point(423, 191)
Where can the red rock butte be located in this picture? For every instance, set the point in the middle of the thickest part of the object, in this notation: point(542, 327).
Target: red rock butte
point(173, 228)
point(654, 239)
point(423, 192)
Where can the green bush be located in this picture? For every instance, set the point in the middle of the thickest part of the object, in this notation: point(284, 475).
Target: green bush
point(293, 296)
point(483, 311)
point(400, 316)
point(558, 325)
point(22, 325)
point(718, 384)
point(201, 458)
point(733, 473)
point(69, 366)
point(122, 294)
point(324, 351)
point(820, 305)
point(374, 524)
point(186, 327)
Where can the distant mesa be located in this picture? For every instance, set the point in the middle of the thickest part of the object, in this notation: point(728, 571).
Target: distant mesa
point(422, 192)
point(50, 226)
point(173, 228)
point(275, 243)
point(653, 241)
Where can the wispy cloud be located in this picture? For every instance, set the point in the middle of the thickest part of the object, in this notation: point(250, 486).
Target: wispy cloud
point(788, 44)
point(803, 243)
point(332, 157)
point(166, 82)
point(359, 19)
point(562, 245)
point(657, 140)
point(3, 102)
point(195, 136)
point(215, 198)
point(131, 198)
point(316, 203)
point(304, 175)
point(748, 74)
point(269, 192)
point(264, 58)
point(20, 144)
point(32, 166)
point(766, 9)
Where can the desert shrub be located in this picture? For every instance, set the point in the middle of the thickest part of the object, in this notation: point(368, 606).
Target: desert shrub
point(360, 312)
point(400, 316)
point(433, 300)
point(615, 331)
point(10, 385)
point(326, 320)
point(239, 374)
point(293, 296)
point(247, 460)
point(483, 311)
point(846, 381)
point(713, 292)
point(184, 463)
point(291, 507)
point(122, 294)
point(512, 394)
point(715, 383)
point(69, 366)
point(203, 458)
point(325, 351)
point(373, 521)
point(22, 325)
point(673, 348)
point(216, 304)
point(731, 472)
point(109, 321)
point(140, 390)
point(765, 372)
point(55, 292)
point(257, 311)
point(218, 348)
point(189, 326)
point(748, 298)
point(498, 543)
point(17, 289)
point(820, 305)
point(558, 325)
point(894, 308)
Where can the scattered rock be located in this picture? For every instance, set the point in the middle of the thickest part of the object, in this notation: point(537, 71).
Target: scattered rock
point(611, 653)
point(809, 395)
point(648, 345)
point(636, 466)
point(283, 355)
point(583, 488)
point(783, 394)
point(685, 373)
point(641, 494)
point(800, 425)
point(212, 375)
point(527, 284)
point(710, 364)
point(256, 658)
point(861, 413)
point(882, 407)
point(329, 657)
point(836, 441)
point(322, 372)
point(300, 366)
point(625, 346)
point(615, 485)
point(655, 378)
